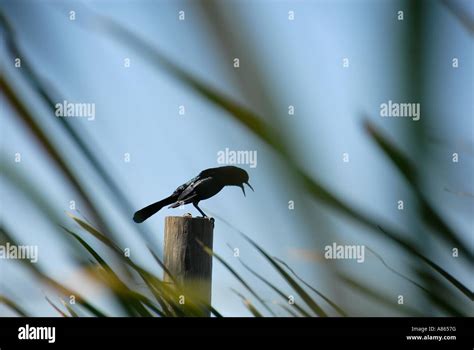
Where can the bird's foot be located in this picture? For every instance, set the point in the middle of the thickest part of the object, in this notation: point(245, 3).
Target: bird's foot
point(211, 219)
point(187, 215)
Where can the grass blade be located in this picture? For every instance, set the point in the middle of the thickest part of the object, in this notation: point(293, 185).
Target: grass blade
point(409, 172)
point(301, 292)
point(236, 275)
point(377, 296)
point(69, 308)
point(162, 265)
point(123, 292)
point(250, 120)
point(83, 143)
point(55, 307)
point(12, 305)
point(329, 301)
point(248, 304)
point(35, 269)
point(34, 127)
point(438, 269)
point(302, 311)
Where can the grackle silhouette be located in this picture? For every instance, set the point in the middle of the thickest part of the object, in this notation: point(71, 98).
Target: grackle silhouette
point(208, 183)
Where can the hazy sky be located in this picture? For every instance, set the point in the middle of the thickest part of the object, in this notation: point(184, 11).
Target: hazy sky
point(299, 63)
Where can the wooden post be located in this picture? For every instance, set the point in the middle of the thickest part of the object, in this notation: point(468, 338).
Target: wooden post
point(186, 259)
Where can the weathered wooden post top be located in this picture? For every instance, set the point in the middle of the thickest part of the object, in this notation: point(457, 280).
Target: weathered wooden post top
point(185, 257)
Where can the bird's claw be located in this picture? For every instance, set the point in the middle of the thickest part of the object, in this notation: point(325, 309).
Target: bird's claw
point(211, 219)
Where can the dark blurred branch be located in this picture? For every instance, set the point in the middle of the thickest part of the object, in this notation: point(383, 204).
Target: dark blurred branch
point(329, 301)
point(12, 305)
point(460, 193)
point(6, 236)
point(380, 297)
point(240, 114)
point(43, 88)
point(404, 244)
point(455, 282)
point(461, 15)
point(31, 123)
point(261, 129)
point(283, 295)
point(409, 172)
point(435, 297)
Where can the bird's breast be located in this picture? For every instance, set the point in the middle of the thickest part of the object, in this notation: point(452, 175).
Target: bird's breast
point(208, 189)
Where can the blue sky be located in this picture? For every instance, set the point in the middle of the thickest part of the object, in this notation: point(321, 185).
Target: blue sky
point(299, 63)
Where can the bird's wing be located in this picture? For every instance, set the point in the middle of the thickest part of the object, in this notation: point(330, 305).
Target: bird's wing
point(189, 192)
point(188, 195)
point(177, 192)
point(202, 175)
point(182, 202)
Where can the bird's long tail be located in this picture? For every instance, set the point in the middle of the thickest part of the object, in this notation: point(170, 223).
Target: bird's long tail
point(148, 211)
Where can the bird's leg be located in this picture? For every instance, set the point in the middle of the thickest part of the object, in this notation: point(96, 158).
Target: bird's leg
point(202, 213)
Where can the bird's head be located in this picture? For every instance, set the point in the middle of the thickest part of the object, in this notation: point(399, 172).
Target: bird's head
point(235, 176)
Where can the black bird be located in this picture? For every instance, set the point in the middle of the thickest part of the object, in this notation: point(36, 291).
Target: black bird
point(208, 183)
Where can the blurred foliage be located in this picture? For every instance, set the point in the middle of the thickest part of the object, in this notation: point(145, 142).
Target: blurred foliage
point(118, 273)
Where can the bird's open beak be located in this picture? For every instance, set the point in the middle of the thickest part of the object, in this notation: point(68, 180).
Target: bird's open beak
point(243, 188)
point(249, 186)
